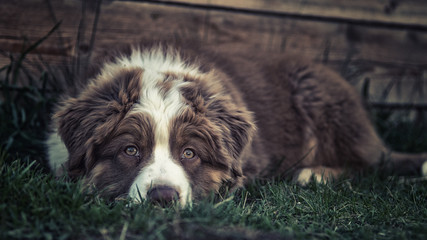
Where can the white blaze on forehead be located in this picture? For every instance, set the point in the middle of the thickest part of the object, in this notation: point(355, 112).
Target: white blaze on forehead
point(158, 59)
point(162, 105)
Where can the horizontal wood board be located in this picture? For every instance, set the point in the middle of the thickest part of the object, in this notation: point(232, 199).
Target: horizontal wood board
point(408, 12)
point(393, 59)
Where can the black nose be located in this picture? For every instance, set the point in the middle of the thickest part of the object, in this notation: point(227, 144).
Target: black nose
point(162, 195)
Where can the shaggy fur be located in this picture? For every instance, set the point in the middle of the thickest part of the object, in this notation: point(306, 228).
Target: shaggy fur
point(184, 121)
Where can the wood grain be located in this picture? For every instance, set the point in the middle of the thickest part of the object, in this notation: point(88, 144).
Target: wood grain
point(411, 12)
point(393, 59)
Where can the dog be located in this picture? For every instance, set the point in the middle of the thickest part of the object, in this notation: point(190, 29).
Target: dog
point(173, 122)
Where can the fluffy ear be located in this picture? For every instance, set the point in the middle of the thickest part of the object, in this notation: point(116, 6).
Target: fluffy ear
point(89, 118)
point(238, 128)
point(224, 108)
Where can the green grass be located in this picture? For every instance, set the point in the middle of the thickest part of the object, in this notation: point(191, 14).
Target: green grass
point(25, 103)
point(35, 205)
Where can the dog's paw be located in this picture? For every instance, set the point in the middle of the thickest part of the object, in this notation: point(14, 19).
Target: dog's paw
point(319, 174)
point(306, 175)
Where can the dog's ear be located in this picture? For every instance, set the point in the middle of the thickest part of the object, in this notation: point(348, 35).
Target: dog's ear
point(238, 129)
point(224, 108)
point(89, 118)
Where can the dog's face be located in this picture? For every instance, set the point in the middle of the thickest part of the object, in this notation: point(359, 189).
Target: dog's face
point(154, 128)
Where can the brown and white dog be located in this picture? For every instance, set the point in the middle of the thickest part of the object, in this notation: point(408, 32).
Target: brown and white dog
point(168, 121)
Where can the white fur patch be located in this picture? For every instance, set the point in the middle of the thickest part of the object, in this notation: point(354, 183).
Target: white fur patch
point(320, 175)
point(163, 171)
point(304, 177)
point(424, 169)
point(57, 153)
point(162, 107)
point(154, 60)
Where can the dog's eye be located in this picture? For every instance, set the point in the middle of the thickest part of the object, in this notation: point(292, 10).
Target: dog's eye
point(188, 154)
point(131, 151)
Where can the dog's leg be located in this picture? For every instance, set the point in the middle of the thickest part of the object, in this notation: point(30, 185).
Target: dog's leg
point(406, 163)
point(321, 174)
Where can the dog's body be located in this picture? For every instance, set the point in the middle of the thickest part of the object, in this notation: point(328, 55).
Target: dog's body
point(161, 122)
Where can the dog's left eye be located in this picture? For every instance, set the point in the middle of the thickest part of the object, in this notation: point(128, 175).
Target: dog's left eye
point(131, 151)
point(188, 154)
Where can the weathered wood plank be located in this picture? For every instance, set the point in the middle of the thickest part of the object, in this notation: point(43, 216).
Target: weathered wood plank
point(125, 21)
point(383, 55)
point(410, 12)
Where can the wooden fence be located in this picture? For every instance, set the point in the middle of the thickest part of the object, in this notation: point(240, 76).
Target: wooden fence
point(383, 41)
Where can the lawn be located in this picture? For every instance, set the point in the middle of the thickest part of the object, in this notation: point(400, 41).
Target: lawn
point(35, 205)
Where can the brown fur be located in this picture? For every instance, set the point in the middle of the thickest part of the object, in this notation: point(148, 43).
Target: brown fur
point(251, 116)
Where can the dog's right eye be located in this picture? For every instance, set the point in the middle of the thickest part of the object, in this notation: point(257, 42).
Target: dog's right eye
point(188, 154)
point(131, 151)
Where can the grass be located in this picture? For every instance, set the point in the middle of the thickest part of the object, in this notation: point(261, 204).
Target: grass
point(25, 103)
point(35, 205)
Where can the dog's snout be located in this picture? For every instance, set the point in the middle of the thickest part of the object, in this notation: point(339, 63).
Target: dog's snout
point(163, 195)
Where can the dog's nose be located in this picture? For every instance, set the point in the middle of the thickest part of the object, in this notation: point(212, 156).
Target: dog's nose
point(162, 195)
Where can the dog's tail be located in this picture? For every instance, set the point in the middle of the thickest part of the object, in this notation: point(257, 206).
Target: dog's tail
point(407, 164)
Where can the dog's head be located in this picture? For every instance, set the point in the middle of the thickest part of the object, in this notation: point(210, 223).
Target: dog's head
point(154, 127)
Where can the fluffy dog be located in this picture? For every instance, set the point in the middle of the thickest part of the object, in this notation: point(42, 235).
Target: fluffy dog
point(168, 122)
